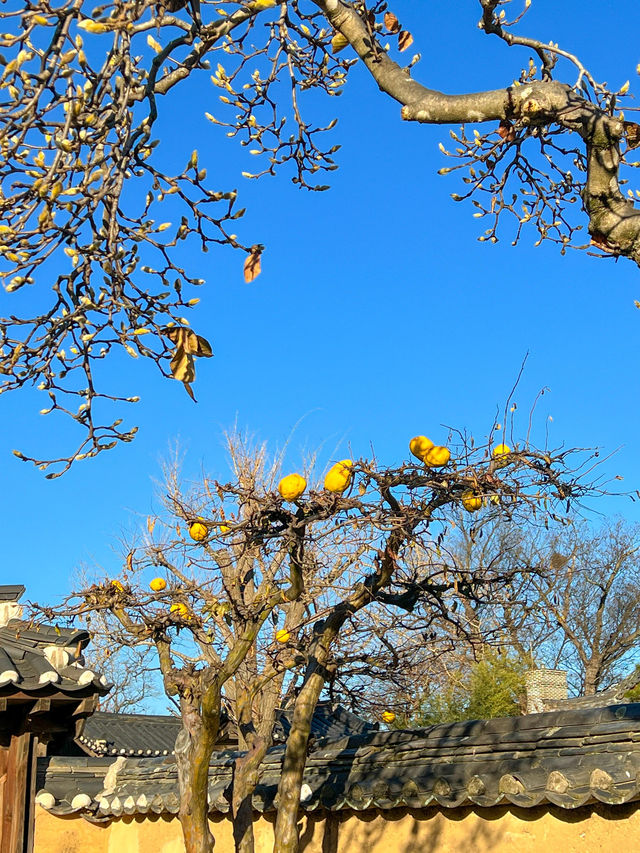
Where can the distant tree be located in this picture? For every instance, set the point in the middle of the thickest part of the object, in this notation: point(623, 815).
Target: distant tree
point(255, 588)
point(589, 597)
point(131, 669)
point(95, 226)
point(491, 687)
point(633, 695)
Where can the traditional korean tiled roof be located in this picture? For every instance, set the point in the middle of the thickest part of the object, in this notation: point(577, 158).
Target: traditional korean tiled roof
point(329, 721)
point(11, 592)
point(613, 696)
point(565, 758)
point(106, 733)
point(38, 660)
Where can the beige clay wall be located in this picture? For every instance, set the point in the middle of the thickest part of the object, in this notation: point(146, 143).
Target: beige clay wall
point(592, 829)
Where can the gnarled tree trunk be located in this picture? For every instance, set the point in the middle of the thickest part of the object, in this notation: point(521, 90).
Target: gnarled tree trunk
point(193, 749)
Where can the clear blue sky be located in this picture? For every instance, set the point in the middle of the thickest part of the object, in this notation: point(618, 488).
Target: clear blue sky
point(378, 314)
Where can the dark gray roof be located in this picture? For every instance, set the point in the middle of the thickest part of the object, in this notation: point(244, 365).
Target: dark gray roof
point(329, 721)
point(41, 660)
point(567, 758)
point(613, 696)
point(106, 733)
point(11, 592)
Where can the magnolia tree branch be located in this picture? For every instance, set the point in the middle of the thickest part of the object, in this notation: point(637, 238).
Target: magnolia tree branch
point(94, 227)
point(613, 220)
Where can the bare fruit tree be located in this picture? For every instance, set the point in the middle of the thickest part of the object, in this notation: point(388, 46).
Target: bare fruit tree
point(94, 229)
point(251, 593)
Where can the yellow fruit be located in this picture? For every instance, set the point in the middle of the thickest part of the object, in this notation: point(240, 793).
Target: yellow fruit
point(292, 486)
point(388, 716)
point(158, 584)
point(471, 501)
point(339, 476)
point(198, 531)
point(181, 609)
point(437, 457)
point(420, 446)
point(283, 636)
point(117, 585)
point(500, 452)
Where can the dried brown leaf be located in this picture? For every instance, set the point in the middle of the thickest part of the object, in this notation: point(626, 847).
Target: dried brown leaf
point(182, 366)
point(506, 130)
point(172, 332)
point(405, 40)
point(253, 264)
point(203, 349)
point(632, 133)
point(189, 390)
point(187, 345)
point(338, 43)
point(392, 24)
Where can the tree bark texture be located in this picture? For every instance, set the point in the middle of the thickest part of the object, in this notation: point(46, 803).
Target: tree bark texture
point(286, 831)
point(193, 749)
point(246, 775)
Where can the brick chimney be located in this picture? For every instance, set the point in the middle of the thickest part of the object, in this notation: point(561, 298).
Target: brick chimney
point(544, 684)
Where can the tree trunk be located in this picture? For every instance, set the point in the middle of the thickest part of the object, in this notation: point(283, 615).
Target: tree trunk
point(193, 749)
point(592, 676)
point(295, 756)
point(246, 775)
point(286, 832)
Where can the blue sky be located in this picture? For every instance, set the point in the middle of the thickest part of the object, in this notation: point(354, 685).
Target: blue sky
point(377, 316)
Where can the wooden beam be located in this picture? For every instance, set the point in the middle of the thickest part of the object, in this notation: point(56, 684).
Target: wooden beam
point(50, 691)
point(17, 795)
point(42, 706)
point(86, 707)
point(30, 795)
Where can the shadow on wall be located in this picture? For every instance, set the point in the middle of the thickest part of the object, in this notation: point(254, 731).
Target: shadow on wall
point(465, 829)
point(400, 831)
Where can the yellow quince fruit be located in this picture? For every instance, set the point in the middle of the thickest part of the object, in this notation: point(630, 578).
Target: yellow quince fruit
point(420, 445)
point(198, 531)
point(437, 457)
point(292, 486)
point(339, 476)
point(181, 609)
point(500, 451)
point(471, 501)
